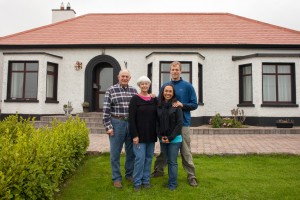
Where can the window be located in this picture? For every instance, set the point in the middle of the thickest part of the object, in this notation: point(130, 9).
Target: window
point(200, 83)
point(245, 85)
point(149, 74)
point(22, 80)
point(278, 83)
point(51, 81)
point(186, 72)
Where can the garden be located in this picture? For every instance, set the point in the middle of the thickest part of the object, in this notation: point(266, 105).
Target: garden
point(51, 163)
point(220, 177)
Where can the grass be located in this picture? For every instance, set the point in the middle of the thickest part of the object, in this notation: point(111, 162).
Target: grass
point(220, 177)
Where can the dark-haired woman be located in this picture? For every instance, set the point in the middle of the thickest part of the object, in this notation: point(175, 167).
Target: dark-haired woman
point(169, 127)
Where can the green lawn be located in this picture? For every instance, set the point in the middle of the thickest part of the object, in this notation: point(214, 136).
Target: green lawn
point(220, 177)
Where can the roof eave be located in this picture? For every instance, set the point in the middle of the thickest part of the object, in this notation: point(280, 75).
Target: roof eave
point(264, 46)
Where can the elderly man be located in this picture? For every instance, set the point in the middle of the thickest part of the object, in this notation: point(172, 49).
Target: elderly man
point(115, 120)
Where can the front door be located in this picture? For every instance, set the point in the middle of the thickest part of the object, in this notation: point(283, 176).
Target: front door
point(104, 79)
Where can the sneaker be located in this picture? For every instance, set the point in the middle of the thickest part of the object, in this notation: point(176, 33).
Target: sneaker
point(157, 174)
point(147, 186)
point(193, 182)
point(118, 184)
point(137, 188)
point(130, 178)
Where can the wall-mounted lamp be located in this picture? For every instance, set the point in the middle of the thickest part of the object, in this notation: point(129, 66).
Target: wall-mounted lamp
point(78, 65)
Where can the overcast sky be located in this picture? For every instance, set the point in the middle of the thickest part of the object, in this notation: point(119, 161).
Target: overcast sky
point(21, 15)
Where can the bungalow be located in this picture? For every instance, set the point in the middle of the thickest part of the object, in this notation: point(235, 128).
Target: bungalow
point(231, 61)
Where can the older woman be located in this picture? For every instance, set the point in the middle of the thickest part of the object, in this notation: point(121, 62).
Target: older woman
point(142, 123)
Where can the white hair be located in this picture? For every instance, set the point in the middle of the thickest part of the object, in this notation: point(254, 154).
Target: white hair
point(143, 79)
point(124, 71)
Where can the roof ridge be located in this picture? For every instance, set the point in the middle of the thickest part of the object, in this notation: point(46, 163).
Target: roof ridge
point(264, 23)
point(163, 13)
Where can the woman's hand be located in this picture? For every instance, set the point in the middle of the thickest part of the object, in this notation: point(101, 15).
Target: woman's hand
point(165, 139)
point(177, 104)
point(136, 140)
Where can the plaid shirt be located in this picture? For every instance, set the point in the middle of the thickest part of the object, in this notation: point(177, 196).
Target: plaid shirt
point(116, 102)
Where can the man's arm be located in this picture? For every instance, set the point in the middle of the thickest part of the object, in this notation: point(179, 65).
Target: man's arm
point(192, 101)
point(106, 113)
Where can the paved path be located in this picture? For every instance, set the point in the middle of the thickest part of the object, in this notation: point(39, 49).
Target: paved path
point(224, 144)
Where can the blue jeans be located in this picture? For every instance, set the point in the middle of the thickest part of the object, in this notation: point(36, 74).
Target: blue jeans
point(171, 151)
point(142, 165)
point(121, 136)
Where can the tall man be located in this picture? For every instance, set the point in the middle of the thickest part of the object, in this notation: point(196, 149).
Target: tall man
point(187, 100)
point(115, 120)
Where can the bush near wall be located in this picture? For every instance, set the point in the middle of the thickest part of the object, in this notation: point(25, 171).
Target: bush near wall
point(34, 162)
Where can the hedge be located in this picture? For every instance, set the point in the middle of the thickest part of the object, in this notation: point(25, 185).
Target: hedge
point(34, 162)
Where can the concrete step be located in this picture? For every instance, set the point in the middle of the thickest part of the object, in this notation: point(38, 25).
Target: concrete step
point(91, 114)
point(97, 130)
point(93, 121)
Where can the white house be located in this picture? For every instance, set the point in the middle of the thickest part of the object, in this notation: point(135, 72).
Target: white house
point(232, 62)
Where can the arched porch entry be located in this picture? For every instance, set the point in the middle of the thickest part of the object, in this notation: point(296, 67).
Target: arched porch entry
point(100, 73)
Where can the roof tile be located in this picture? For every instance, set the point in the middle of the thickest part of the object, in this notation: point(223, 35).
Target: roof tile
point(156, 28)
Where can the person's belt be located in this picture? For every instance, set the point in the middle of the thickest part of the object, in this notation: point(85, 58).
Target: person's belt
point(124, 118)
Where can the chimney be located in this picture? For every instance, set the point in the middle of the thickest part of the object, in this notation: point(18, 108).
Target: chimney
point(62, 7)
point(62, 13)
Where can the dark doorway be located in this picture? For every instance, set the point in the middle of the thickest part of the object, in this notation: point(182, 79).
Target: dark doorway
point(101, 72)
point(103, 80)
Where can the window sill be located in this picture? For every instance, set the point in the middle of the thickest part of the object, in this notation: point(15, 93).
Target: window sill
point(21, 101)
point(245, 105)
point(278, 105)
point(51, 101)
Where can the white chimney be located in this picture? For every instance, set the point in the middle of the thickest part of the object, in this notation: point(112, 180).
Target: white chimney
point(62, 13)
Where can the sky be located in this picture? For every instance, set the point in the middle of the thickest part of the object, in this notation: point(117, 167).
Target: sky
point(21, 15)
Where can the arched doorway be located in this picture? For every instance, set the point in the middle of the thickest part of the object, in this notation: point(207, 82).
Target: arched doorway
point(100, 73)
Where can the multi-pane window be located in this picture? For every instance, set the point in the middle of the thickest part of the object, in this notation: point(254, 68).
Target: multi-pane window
point(51, 91)
point(22, 80)
point(245, 84)
point(165, 72)
point(278, 83)
point(200, 83)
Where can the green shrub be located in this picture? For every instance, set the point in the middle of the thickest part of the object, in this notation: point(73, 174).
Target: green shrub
point(35, 161)
point(217, 121)
point(228, 122)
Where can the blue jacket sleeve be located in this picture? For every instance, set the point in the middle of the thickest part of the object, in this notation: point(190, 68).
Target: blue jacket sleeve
point(192, 101)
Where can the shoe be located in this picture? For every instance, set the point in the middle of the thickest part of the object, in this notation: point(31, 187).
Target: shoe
point(137, 188)
point(130, 178)
point(157, 174)
point(147, 186)
point(193, 182)
point(171, 188)
point(118, 184)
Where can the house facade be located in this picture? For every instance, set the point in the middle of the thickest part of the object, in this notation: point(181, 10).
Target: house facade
point(232, 62)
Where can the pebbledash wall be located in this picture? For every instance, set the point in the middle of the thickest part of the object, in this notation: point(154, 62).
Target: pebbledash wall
point(220, 78)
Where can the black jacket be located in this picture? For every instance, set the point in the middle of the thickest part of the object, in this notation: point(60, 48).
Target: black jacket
point(169, 121)
point(142, 119)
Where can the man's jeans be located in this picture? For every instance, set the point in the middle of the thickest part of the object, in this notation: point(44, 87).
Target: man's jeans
point(142, 165)
point(121, 135)
point(186, 155)
point(171, 151)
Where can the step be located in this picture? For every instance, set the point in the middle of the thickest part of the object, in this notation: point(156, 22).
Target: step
point(208, 130)
point(91, 114)
point(93, 121)
point(97, 130)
